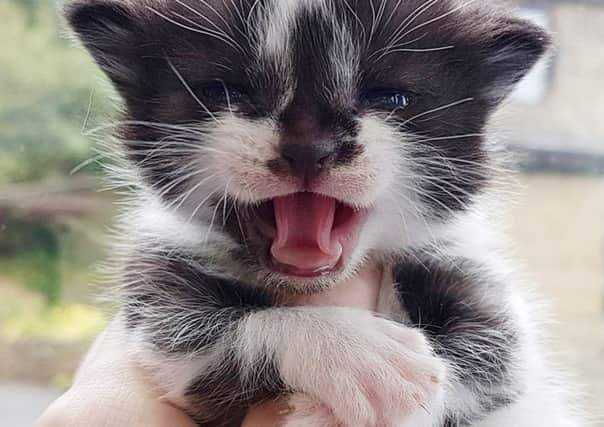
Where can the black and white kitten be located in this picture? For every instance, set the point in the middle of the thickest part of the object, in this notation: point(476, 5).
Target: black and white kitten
point(274, 147)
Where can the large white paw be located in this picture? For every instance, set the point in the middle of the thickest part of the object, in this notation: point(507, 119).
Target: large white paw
point(365, 370)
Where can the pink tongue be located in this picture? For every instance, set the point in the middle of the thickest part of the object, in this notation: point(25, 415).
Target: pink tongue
point(304, 238)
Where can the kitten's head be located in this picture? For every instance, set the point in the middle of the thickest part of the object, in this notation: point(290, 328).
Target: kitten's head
point(312, 133)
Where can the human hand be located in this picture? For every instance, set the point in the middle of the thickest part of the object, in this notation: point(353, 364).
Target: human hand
point(109, 391)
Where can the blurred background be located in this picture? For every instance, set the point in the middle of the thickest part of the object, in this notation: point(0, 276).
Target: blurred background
point(54, 219)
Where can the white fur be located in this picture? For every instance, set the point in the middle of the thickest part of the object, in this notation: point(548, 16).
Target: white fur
point(235, 152)
point(368, 370)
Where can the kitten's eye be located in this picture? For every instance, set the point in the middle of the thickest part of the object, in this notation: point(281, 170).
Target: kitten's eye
point(389, 99)
point(222, 93)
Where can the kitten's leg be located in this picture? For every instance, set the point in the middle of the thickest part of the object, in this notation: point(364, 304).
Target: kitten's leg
point(467, 314)
point(218, 346)
point(548, 399)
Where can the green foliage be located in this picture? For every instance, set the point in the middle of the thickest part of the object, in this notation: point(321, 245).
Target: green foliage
point(60, 323)
point(46, 87)
point(39, 272)
point(50, 91)
point(21, 235)
point(31, 250)
point(44, 276)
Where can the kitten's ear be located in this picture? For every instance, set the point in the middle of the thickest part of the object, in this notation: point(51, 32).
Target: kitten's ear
point(509, 50)
point(111, 32)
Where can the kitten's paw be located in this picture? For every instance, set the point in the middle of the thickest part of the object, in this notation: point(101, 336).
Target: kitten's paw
point(367, 371)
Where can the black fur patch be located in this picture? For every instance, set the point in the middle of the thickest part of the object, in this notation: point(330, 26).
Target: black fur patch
point(166, 284)
point(452, 302)
point(219, 303)
point(229, 399)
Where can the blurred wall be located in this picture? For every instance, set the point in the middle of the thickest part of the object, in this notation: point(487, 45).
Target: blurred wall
point(570, 115)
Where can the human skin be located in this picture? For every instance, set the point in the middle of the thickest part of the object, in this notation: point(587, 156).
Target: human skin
point(110, 391)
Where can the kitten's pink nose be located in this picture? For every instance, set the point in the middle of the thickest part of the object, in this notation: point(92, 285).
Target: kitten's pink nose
point(307, 161)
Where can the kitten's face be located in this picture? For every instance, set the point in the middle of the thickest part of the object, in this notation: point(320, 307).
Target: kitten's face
point(313, 133)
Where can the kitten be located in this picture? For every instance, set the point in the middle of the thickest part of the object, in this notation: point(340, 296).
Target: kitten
point(273, 148)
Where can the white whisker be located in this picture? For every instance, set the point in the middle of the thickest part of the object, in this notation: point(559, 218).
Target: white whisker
point(195, 29)
point(199, 206)
point(190, 90)
point(434, 110)
point(438, 18)
point(409, 20)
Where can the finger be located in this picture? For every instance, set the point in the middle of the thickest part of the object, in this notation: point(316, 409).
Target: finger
point(269, 414)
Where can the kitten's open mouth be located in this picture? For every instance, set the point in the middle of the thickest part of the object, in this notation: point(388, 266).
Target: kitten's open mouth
point(312, 235)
